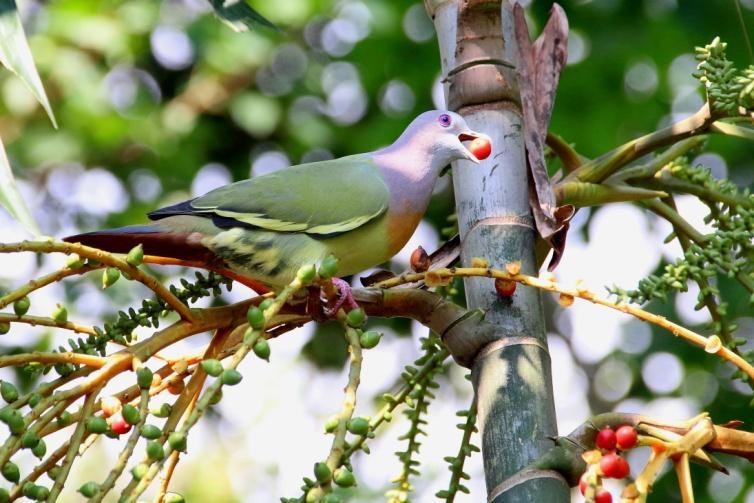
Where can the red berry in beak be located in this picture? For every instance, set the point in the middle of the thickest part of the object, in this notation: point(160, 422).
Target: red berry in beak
point(481, 148)
point(606, 439)
point(626, 437)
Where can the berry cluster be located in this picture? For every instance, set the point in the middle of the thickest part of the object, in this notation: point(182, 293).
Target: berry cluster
point(607, 462)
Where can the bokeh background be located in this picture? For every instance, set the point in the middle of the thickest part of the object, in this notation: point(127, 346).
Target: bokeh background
point(159, 101)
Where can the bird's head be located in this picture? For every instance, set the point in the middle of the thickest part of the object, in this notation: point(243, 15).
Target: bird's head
point(444, 132)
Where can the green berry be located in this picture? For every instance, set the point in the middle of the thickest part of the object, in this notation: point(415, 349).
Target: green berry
point(329, 267)
point(40, 449)
point(369, 339)
point(355, 317)
point(358, 425)
point(4, 327)
point(139, 471)
point(110, 276)
point(96, 425)
point(331, 424)
point(331, 498)
point(64, 419)
point(89, 490)
point(60, 314)
point(8, 392)
point(231, 377)
point(10, 472)
point(130, 414)
point(136, 256)
point(216, 397)
point(262, 349)
point(322, 472)
point(5, 414)
point(4, 495)
point(265, 304)
point(306, 274)
point(54, 472)
point(16, 423)
point(74, 261)
point(173, 498)
point(29, 490)
point(34, 399)
point(212, 367)
point(41, 493)
point(255, 317)
point(29, 440)
point(343, 477)
point(151, 432)
point(21, 306)
point(163, 411)
point(144, 378)
point(155, 452)
point(177, 441)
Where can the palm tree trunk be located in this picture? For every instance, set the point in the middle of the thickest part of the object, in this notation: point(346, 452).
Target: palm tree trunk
point(511, 376)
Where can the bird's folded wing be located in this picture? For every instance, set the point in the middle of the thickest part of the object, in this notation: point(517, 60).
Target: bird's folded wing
point(321, 198)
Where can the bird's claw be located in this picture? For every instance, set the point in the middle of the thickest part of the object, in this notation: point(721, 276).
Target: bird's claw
point(345, 298)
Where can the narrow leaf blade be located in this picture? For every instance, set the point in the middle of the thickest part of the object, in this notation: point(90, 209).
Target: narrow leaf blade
point(11, 199)
point(239, 15)
point(16, 56)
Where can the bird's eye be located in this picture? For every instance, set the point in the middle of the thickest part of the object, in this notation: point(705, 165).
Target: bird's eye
point(444, 120)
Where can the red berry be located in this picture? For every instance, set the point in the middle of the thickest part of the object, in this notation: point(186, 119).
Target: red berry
point(583, 484)
point(606, 439)
point(626, 436)
point(505, 287)
point(613, 466)
point(118, 424)
point(420, 261)
point(481, 148)
point(603, 497)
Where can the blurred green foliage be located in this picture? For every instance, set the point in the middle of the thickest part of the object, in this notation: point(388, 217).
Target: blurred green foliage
point(153, 91)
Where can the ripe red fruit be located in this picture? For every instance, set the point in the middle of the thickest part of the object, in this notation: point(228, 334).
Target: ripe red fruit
point(481, 148)
point(603, 497)
point(583, 484)
point(118, 424)
point(613, 466)
point(420, 261)
point(626, 437)
point(606, 439)
point(505, 287)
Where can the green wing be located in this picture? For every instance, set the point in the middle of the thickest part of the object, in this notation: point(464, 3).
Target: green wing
point(322, 198)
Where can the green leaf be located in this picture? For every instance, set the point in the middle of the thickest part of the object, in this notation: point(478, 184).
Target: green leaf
point(239, 15)
point(15, 54)
point(10, 198)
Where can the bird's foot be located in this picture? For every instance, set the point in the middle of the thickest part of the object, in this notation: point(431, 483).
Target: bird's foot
point(345, 298)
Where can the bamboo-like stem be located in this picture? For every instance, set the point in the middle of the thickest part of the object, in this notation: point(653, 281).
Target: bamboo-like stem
point(706, 343)
point(106, 258)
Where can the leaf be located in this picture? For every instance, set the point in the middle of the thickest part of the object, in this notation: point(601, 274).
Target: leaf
point(11, 199)
point(16, 56)
point(239, 15)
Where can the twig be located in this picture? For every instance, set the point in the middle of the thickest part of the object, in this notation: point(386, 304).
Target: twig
point(38, 283)
point(46, 322)
point(52, 358)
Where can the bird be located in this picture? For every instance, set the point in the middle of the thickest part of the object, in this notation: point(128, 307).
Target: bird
point(361, 209)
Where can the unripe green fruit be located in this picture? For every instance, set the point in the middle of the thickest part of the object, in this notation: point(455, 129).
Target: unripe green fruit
point(322, 472)
point(16, 423)
point(96, 425)
point(41, 493)
point(34, 399)
point(136, 256)
point(173, 498)
point(369, 339)
point(212, 367)
point(64, 419)
point(155, 452)
point(74, 261)
point(10, 472)
point(5, 414)
point(163, 411)
point(144, 378)
point(177, 441)
point(255, 317)
point(89, 490)
point(231, 377)
point(151, 432)
point(329, 267)
point(262, 349)
point(110, 276)
point(216, 397)
point(306, 274)
point(4, 327)
point(29, 490)
point(40, 449)
point(130, 414)
point(331, 498)
point(265, 304)
point(21, 306)
point(355, 317)
point(4, 495)
point(139, 471)
point(343, 477)
point(60, 314)
point(54, 472)
point(331, 424)
point(8, 392)
point(29, 440)
point(358, 425)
